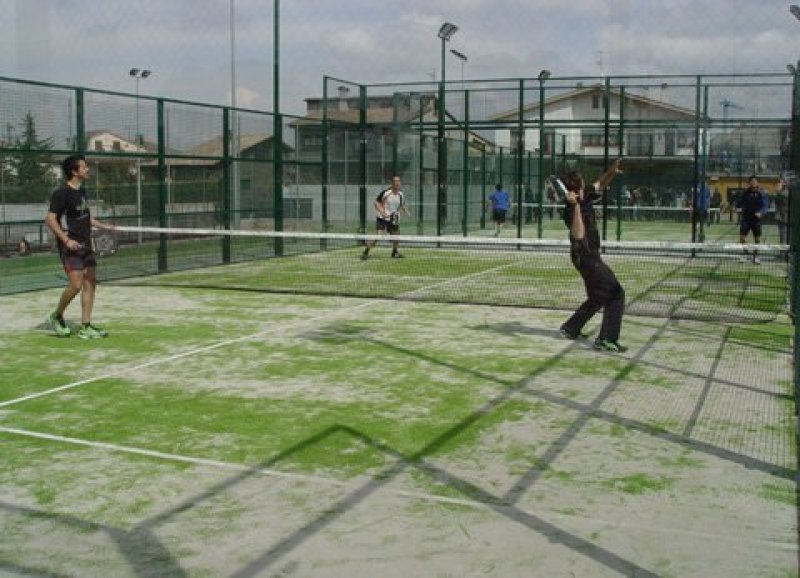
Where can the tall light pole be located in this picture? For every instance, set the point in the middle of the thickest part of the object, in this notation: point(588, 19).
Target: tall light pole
point(138, 74)
point(463, 58)
point(445, 34)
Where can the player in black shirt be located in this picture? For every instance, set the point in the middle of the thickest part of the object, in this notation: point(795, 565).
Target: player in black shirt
point(75, 247)
point(602, 288)
point(752, 206)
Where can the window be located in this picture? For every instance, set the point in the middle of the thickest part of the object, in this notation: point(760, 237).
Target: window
point(116, 147)
point(640, 144)
point(685, 140)
point(549, 139)
point(596, 100)
point(594, 138)
point(312, 142)
point(98, 145)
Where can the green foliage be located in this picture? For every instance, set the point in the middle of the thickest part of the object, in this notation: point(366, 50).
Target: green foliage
point(28, 176)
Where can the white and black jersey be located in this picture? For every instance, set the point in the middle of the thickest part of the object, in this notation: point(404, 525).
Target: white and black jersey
point(392, 201)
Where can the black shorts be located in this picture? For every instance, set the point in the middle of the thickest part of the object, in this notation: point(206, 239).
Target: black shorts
point(748, 224)
point(77, 260)
point(388, 226)
point(499, 215)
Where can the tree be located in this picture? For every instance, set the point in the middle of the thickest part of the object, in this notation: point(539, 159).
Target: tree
point(31, 166)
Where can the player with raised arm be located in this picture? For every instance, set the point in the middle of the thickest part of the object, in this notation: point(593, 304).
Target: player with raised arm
point(75, 247)
point(388, 206)
point(603, 291)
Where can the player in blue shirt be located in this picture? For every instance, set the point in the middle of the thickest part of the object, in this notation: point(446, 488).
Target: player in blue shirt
point(498, 201)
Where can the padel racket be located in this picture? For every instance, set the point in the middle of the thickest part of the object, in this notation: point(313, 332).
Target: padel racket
point(105, 242)
point(559, 187)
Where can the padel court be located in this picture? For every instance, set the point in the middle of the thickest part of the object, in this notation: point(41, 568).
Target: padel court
point(228, 428)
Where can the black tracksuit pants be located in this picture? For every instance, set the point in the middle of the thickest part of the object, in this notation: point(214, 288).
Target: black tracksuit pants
point(603, 292)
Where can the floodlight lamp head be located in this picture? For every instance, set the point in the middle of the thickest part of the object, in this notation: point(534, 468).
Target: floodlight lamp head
point(459, 55)
point(543, 75)
point(146, 73)
point(447, 30)
point(134, 72)
point(795, 10)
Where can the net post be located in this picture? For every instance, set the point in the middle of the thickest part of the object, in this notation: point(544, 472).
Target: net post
point(324, 169)
point(162, 185)
point(465, 167)
point(441, 168)
point(227, 161)
point(540, 169)
point(421, 170)
point(362, 158)
point(277, 183)
point(518, 154)
point(620, 208)
point(483, 188)
point(80, 124)
point(606, 136)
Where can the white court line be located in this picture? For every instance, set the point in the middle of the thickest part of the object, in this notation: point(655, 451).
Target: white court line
point(408, 294)
point(225, 343)
point(161, 360)
point(232, 466)
point(356, 482)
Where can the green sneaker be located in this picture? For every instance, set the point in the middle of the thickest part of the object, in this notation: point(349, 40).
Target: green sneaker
point(59, 325)
point(88, 331)
point(608, 345)
point(99, 331)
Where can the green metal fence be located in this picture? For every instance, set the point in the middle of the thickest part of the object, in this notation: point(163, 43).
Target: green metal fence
point(158, 161)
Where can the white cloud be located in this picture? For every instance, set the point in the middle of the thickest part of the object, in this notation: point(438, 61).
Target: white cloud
point(351, 40)
point(187, 42)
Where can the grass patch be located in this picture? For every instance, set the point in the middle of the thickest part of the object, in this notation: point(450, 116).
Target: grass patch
point(637, 484)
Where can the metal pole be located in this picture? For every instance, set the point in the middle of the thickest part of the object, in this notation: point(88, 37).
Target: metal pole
point(442, 150)
point(540, 170)
point(465, 167)
point(234, 130)
point(519, 153)
point(277, 176)
point(138, 166)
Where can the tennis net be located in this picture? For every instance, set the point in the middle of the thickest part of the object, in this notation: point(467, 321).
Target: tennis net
point(722, 282)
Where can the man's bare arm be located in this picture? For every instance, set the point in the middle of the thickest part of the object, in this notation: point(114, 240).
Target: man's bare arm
point(576, 228)
point(605, 179)
point(51, 220)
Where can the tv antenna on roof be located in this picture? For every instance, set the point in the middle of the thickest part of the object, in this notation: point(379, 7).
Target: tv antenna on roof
point(728, 104)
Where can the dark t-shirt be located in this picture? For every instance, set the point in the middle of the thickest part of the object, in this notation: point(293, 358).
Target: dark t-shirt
point(589, 246)
point(72, 204)
point(751, 202)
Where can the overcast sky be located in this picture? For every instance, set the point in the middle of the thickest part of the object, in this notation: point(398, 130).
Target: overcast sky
point(187, 43)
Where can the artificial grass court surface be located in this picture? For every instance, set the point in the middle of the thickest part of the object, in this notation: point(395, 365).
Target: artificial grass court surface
point(233, 433)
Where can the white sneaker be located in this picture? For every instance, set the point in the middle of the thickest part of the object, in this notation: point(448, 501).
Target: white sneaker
point(756, 260)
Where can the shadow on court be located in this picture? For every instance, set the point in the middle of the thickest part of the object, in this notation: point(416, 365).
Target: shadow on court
point(145, 555)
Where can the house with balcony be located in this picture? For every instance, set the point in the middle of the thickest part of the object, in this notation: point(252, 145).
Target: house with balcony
point(575, 125)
